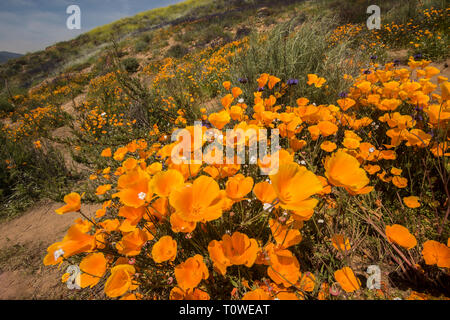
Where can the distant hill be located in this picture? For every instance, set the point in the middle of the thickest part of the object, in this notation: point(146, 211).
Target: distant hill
point(5, 56)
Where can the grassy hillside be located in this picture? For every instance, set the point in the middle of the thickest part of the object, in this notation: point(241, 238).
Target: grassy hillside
point(363, 118)
point(36, 66)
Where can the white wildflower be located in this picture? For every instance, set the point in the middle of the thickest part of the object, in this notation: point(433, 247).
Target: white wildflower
point(142, 195)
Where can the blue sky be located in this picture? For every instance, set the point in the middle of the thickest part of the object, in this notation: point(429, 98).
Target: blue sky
point(31, 25)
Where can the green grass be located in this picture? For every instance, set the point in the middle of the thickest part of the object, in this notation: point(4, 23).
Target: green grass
point(292, 51)
point(28, 174)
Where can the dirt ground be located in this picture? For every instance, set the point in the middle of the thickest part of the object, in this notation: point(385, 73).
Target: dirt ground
point(23, 244)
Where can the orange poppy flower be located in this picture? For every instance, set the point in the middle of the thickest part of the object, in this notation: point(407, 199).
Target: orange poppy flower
point(134, 215)
point(101, 212)
point(271, 163)
point(287, 296)
point(388, 155)
point(106, 153)
point(364, 86)
point(431, 72)
point(328, 146)
point(164, 182)
point(236, 92)
point(343, 170)
point(307, 282)
point(164, 250)
point(264, 192)
point(401, 236)
point(236, 113)
point(389, 104)
point(154, 168)
point(347, 279)
point(219, 120)
point(314, 131)
point(187, 170)
point(327, 128)
point(346, 103)
point(227, 85)
point(180, 225)
point(131, 244)
point(120, 153)
point(273, 81)
point(301, 102)
point(286, 184)
point(102, 189)
point(110, 224)
point(350, 143)
point(417, 137)
point(373, 99)
point(73, 203)
point(134, 188)
point(297, 144)
point(317, 81)
point(400, 182)
point(445, 88)
point(75, 241)
point(324, 292)
point(372, 169)
point(262, 80)
point(257, 294)
point(120, 280)
point(226, 101)
point(340, 242)
point(238, 187)
point(436, 253)
point(437, 114)
point(284, 236)
point(199, 201)
point(411, 202)
point(159, 208)
point(190, 294)
point(191, 272)
point(93, 267)
point(396, 171)
point(240, 249)
point(217, 255)
point(284, 267)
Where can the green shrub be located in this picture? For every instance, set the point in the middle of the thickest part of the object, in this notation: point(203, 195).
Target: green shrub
point(140, 46)
point(28, 174)
point(214, 32)
point(131, 65)
point(294, 52)
point(147, 37)
point(177, 51)
point(5, 105)
point(432, 48)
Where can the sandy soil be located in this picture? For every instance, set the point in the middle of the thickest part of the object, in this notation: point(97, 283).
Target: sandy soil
point(23, 243)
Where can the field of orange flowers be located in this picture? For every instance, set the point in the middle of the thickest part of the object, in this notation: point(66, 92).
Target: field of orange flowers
point(359, 183)
point(200, 229)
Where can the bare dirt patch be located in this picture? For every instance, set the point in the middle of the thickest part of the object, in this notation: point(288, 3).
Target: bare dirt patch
point(23, 244)
point(70, 105)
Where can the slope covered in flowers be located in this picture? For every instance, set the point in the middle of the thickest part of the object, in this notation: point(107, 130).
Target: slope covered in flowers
point(199, 228)
point(360, 177)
